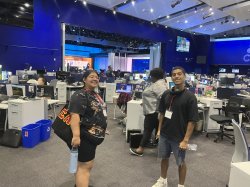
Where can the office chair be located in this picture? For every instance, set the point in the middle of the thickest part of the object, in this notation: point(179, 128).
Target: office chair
point(242, 149)
point(232, 111)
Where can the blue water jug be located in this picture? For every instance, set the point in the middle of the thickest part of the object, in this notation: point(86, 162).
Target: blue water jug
point(73, 160)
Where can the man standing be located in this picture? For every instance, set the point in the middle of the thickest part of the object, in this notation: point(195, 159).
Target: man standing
point(178, 116)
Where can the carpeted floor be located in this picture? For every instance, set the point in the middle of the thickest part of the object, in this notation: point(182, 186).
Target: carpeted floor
point(46, 165)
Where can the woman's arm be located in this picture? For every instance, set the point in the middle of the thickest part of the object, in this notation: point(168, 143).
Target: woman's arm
point(75, 127)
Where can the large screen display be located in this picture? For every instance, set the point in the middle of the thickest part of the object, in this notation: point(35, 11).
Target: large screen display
point(182, 44)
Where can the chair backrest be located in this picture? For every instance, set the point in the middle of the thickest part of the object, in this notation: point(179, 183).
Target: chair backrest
point(241, 151)
point(233, 107)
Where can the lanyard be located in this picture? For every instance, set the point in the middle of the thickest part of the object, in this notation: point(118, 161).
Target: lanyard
point(171, 102)
point(98, 97)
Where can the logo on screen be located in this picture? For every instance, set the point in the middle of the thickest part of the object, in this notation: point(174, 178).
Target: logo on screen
point(246, 57)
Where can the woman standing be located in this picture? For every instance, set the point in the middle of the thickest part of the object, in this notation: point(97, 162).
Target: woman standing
point(88, 124)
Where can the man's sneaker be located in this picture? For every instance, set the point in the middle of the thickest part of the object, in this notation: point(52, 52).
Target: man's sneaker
point(161, 183)
point(134, 152)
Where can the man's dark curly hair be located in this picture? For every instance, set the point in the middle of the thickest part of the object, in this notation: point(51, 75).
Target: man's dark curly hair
point(157, 73)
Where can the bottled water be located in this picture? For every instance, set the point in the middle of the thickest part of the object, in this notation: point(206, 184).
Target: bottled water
point(73, 160)
point(192, 147)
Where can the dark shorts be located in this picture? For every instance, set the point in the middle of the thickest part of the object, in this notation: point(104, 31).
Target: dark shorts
point(86, 151)
point(167, 146)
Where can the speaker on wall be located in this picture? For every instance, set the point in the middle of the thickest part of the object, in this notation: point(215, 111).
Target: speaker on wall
point(201, 59)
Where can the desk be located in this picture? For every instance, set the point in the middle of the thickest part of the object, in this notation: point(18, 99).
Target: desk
point(211, 104)
point(135, 117)
point(53, 102)
point(240, 174)
point(71, 89)
point(5, 107)
point(23, 112)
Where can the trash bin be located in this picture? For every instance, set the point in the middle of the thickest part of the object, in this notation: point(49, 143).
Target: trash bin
point(45, 129)
point(31, 135)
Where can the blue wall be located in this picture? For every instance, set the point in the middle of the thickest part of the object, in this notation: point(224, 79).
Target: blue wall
point(41, 46)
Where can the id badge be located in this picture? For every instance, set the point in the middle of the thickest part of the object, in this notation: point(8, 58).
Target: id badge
point(104, 112)
point(168, 114)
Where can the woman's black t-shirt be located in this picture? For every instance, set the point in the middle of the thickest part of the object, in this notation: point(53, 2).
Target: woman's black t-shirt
point(183, 106)
point(89, 106)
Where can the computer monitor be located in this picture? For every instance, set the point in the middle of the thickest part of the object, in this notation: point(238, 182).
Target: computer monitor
point(138, 87)
point(225, 81)
point(137, 76)
point(225, 93)
point(77, 76)
point(73, 69)
point(110, 80)
point(41, 71)
point(3, 90)
point(123, 88)
point(14, 79)
point(62, 75)
point(49, 78)
point(70, 80)
point(171, 85)
point(30, 90)
point(45, 91)
point(18, 90)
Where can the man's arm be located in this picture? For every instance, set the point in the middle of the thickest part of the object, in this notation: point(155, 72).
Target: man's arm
point(161, 117)
point(190, 128)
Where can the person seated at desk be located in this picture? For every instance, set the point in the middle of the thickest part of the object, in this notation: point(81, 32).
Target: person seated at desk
point(140, 80)
point(41, 81)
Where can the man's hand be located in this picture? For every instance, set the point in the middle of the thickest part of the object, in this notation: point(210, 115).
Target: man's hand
point(183, 145)
point(158, 134)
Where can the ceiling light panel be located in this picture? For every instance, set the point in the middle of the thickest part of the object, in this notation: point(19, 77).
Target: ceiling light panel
point(157, 6)
point(193, 19)
point(240, 12)
point(220, 3)
point(106, 3)
point(208, 29)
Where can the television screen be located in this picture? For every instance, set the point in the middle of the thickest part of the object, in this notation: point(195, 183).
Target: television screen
point(123, 88)
point(222, 70)
point(235, 71)
point(182, 44)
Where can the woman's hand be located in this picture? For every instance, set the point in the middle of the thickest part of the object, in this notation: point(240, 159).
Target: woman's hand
point(76, 141)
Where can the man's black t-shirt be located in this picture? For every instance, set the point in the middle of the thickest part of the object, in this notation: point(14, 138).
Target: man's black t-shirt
point(183, 106)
